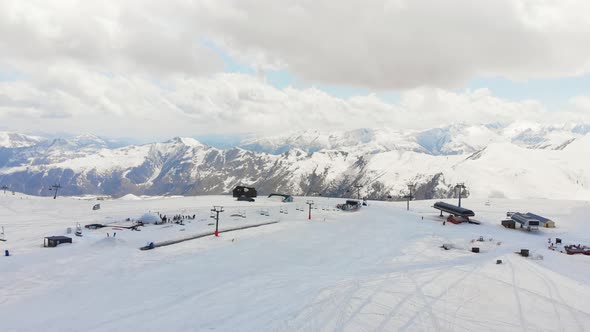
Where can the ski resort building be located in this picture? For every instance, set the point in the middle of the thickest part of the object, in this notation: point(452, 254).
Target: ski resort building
point(54, 241)
point(244, 191)
point(525, 221)
point(350, 205)
point(544, 222)
point(453, 209)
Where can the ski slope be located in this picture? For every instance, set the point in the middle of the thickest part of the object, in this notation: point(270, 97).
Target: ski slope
point(378, 269)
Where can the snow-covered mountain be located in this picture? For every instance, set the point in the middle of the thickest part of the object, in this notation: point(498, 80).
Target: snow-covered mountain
point(449, 140)
point(15, 140)
point(515, 161)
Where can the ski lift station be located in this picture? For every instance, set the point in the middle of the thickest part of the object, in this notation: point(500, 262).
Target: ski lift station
point(244, 191)
point(544, 222)
point(525, 221)
point(453, 209)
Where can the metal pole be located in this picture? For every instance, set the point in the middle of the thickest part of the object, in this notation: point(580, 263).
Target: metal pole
point(310, 203)
point(55, 188)
point(358, 191)
point(461, 186)
point(217, 210)
point(217, 223)
point(410, 196)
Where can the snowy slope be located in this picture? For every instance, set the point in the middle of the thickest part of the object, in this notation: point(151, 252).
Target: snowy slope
point(379, 269)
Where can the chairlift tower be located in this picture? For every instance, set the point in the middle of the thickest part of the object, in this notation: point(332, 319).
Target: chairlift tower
point(310, 203)
point(461, 186)
point(358, 191)
point(409, 197)
point(217, 210)
point(55, 188)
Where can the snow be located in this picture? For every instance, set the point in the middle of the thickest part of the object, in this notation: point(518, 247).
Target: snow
point(149, 218)
point(130, 197)
point(106, 160)
point(378, 269)
point(15, 140)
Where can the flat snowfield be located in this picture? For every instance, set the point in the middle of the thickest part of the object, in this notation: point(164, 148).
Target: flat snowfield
point(379, 269)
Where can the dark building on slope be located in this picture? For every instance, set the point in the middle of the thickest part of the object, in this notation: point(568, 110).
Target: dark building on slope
point(240, 191)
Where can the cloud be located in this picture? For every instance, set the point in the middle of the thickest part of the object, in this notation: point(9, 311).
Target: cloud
point(405, 44)
point(375, 44)
point(146, 69)
point(130, 106)
point(111, 37)
point(581, 103)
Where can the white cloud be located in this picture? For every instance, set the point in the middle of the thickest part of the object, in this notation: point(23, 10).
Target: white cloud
point(130, 106)
point(394, 44)
point(110, 37)
point(408, 43)
point(581, 103)
point(140, 68)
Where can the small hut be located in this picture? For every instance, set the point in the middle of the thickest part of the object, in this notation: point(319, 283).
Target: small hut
point(54, 241)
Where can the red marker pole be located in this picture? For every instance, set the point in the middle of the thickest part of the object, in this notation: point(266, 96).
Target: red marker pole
point(310, 203)
point(217, 210)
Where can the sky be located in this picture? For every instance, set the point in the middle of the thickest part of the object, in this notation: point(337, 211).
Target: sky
point(148, 70)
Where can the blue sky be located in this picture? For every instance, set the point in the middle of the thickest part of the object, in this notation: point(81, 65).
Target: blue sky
point(553, 93)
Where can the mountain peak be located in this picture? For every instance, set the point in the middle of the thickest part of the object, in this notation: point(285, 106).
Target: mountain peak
point(186, 141)
point(16, 140)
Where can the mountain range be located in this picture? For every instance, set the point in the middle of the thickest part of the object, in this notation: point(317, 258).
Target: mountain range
point(520, 160)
